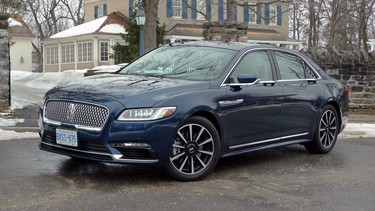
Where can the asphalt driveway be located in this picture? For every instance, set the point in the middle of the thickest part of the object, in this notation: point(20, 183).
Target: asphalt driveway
point(282, 179)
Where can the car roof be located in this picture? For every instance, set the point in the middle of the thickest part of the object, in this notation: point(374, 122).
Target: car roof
point(220, 44)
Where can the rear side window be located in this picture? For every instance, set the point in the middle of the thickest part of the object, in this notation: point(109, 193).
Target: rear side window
point(292, 67)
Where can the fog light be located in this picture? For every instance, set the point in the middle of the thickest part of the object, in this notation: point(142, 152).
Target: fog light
point(131, 144)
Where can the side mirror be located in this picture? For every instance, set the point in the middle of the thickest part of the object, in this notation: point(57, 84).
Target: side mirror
point(247, 78)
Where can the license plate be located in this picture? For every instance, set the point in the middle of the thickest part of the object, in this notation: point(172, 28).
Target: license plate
point(66, 137)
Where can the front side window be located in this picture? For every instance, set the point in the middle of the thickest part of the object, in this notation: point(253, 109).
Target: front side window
point(292, 67)
point(85, 52)
point(182, 62)
point(255, 64)
point(52, 55)
point(104, 45)
point(177, 8)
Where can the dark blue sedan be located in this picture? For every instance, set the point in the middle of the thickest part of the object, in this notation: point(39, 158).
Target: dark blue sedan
point(184, 106)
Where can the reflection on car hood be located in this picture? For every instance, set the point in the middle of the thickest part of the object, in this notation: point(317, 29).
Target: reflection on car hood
point(109, 87)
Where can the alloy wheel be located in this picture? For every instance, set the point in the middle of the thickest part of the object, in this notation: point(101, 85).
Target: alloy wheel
point(328, 129)
point(193, 149)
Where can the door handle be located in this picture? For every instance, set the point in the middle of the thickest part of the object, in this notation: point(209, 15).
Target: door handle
point(230, 102)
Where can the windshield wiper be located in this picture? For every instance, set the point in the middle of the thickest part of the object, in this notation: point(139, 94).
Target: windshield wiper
point(190, 70)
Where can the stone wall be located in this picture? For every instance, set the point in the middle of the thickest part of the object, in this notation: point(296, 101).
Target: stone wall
point(225, 31)
point(356, 69)
point(4, 63)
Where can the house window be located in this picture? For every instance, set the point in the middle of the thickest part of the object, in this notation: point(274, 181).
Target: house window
point(104, 51)
point(100, 11)
point(136, 2)
point(67, 53)
point(225, 9)
point(273, 14)
point(85, 52)
point(177, 8)
point(201, 9)
point(52, 54)
point(252, 14)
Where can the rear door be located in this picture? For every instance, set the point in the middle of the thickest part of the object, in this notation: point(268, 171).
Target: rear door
point(303, 94)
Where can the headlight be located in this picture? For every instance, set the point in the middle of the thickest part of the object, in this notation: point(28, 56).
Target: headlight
point(142, 114)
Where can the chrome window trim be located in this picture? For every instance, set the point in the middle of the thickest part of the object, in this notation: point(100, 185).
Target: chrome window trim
point(223, 84)
point(82, 127)
point(296, 80)
point(267, 141)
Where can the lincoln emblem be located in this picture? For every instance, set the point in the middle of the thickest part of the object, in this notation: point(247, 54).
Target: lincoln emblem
point(70, 113)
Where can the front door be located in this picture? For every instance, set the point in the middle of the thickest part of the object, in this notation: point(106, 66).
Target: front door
point(253, 112)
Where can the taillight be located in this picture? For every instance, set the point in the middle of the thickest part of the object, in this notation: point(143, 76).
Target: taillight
point(346, 91)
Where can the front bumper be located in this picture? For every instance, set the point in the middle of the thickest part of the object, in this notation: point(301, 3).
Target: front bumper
point(147, 143)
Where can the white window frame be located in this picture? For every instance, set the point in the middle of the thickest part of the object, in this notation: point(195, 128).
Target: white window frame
point(273, 14)
point(253, 13)
point(177, 8)
point(67, 53)
point(225, 9)
point(52, 54)
point(100, 10)
point(85, 51)
point(104, 53)
point(201, 9)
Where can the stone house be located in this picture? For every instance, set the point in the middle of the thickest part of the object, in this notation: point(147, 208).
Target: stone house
point(20, 38)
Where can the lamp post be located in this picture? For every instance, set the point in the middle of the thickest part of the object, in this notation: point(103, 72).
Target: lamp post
point(141, 19)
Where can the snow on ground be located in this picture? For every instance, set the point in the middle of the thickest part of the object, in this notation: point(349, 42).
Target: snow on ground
point(29, 88)
point(362, 130)
point(11, 135)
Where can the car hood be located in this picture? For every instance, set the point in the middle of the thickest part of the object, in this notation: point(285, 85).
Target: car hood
point(128, 90)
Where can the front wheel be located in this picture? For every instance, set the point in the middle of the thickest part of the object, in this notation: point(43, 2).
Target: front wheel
point(195, 150)
point(326, 132)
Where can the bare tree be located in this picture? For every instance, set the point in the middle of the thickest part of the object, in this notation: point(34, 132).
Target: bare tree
point(10, 6)
point(364, 9)
point(75, 10)
point(299, 19)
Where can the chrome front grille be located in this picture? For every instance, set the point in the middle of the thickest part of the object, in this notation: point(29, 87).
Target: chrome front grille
point(80, 114)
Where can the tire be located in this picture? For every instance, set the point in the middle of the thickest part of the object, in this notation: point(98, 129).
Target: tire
point(325, 136)
point(195, 150)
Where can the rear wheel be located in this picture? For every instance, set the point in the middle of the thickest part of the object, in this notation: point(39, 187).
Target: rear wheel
point(195, 150)
point(326, 132)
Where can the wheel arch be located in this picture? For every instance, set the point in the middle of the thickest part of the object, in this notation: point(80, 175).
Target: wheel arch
point(210, 117)
point(338, 111)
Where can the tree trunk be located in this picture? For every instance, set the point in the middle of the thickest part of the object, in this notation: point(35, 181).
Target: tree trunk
point(230, 10)
point(311, 23)
point(150, 36)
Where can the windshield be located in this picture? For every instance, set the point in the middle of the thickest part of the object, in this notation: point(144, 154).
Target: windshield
point(183, 62)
